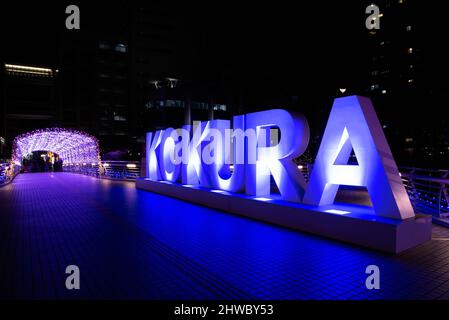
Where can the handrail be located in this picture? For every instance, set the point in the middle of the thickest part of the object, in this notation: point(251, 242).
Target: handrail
point(428, 190)
point(8, 171)
point(122, 170)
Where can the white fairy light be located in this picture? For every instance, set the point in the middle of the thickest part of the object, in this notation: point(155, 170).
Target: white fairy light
point(72, 146)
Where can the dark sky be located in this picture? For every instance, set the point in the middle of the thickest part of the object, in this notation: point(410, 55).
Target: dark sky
point(293, 41)
point(296, 42)
point(308, 49)
point(290, 39)
point(29, 32)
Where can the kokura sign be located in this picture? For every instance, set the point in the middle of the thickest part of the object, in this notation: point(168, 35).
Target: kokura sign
point(242, 157)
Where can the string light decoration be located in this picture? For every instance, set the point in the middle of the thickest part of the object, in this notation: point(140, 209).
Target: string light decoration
point(72, 146)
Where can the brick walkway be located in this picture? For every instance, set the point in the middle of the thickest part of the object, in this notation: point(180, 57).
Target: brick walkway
point(130, 243)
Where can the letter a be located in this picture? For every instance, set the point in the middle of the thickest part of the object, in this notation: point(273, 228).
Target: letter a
point(73, 280)
point(73, 20)
point(353, 121)
point(373, 280)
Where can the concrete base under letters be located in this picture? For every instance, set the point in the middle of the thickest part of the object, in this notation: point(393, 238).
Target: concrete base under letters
point(345, 222)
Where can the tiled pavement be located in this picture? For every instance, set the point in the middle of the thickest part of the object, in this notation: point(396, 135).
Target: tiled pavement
point(134, 244)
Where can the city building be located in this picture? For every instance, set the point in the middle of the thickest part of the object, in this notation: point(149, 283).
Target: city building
point(29, 100)
point(110, 69)
point(401, 63)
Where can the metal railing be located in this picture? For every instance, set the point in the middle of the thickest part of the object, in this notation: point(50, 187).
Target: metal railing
point(8, 172)
point(428, 190)
point(122, 170)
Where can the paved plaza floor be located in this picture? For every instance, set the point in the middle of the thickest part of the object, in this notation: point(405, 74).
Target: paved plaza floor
point(132, 244)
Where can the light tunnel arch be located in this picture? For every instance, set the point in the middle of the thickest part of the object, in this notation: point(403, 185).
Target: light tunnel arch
point(72, 146)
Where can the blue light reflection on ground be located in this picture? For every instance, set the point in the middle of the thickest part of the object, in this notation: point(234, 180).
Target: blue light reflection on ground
point(267, 261)
point(131, 243)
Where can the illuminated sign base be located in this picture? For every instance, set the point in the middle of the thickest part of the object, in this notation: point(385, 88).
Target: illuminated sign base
point(345, 222)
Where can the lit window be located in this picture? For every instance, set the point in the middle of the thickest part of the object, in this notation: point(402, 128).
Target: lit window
point(410, 50)
point(174, 103)
point(21, 70)
point(220, 107)
point(104, 45)
point(121, 48)
point(384, 91)
point(119, 118)
point(409, 28)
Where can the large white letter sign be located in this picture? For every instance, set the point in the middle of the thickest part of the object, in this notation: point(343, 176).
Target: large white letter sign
point(193, 172)
point(208, 149)
point(220, 172)
point(152, 159)
point(170, 162)
point(277, 160)
point(353, 121)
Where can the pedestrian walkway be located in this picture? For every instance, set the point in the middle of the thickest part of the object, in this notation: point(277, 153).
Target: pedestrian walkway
point(132, 244)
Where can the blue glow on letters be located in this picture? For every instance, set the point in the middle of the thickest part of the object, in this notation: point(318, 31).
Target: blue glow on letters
point(352, 125)
point(220, 172)
point(277, 160)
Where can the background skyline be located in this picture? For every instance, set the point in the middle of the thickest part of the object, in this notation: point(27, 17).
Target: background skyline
point(229, 59)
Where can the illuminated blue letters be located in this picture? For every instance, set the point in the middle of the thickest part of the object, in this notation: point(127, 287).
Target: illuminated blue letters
point(244, 158)
point(353, 122)
point(219, 171)
point(276, 160)
point(152, 163)
point(169, 162)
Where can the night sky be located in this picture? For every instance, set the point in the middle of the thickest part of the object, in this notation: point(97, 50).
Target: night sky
point(307, 43)
point(309, 49)
point(300, 44)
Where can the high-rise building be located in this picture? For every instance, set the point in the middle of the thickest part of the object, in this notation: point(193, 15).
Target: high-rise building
point(403, 63)
point(110, 67)
point(395, 50)
point(29, 99)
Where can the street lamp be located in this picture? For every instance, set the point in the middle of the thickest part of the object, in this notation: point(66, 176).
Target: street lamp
point(156, 83)
point(172, 82)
